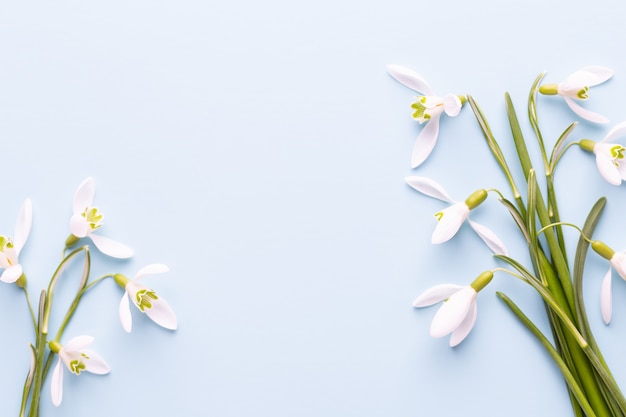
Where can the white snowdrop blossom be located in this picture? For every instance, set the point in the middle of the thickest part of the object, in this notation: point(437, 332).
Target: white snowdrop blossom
point(609, 156)
point(86, 219)
point(576, 87)
point(427, 108)
point(11, 248)
point(145, 299)
point(457, 314)
point(617, 260)
point(452, 218)
point(76, 359)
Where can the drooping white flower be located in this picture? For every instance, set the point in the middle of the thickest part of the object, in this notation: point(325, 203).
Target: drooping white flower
point(428, 108)
point(576, 87)
point(77, 359)
point(457, 314)
point(11, 248)
point(145, 299)
point(617, 260)
point(609, 156)
point(451, 219)
point(86, 219)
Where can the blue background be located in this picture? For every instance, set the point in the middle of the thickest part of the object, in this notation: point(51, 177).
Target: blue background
point(259, 150)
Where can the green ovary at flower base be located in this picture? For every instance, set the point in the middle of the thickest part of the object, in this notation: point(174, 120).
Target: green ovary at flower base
point(450, 220)
point(457, 314)
point(86, 219)
point(77, 359)
point(576, 87)
point(427, 108)
point(146, 300)
point(11, 248)
point(609, 156)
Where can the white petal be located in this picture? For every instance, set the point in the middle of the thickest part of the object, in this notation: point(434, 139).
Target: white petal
point(452, 313)
point(56, 384)
point(450, 222)
point(621, 168)
point(111, 247)
point(79, 226)
point(162, 314)
point(606, 299)
point(425, 142)
point(599, 74)
point(436, 294)
point(429, 187)
point(461, 332)
point(151, 269)
point(409, 78)
point(492, 241)
point(584, 113)
point(452, 105)
point(23, 225)
point(78, 343)
point(83, 197)
point(95, 364)
point(11, 274)
point(125, 316)
point(607, 168)
point(618, 261)
point(617, 131)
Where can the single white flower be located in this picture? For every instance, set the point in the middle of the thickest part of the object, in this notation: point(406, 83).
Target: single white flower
point(428, 108)
point(77, 359)
point(576, 87)
point(617, 260)
point(457, 314)
point(11, 248)
point(452, 218)
point(609, 156)
point(86, 219)
point(145, 299)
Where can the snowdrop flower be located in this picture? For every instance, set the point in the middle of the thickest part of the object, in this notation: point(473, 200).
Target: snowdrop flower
point(77, 359)
point(576, 87)
point(428, 108)
point(11, 248)
point(457, 315)
point(609, 156)
point(616, 260)
point(451, 218)
point(87, 219)
point(146, 300)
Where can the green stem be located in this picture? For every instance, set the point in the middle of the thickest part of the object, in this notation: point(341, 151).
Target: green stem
point(573, 385)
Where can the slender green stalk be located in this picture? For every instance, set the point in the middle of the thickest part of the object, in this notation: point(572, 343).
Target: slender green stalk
point(571, 381)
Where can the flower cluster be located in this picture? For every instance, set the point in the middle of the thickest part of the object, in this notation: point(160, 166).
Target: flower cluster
point(536, 216)
point(85, 222)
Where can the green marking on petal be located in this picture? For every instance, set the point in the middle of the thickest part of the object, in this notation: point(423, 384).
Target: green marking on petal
point(439, 215)
point(617, 152)
point(5, 243)
point(144, 299)
point(93, 216)
point(76, 366)
point(582, 94)
point(421, 113)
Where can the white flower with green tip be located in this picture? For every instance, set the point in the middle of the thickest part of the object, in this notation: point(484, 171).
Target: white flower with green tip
point(617, 260)
point(576, 87)
point(86, 219)
point(428, 108)
point(77, 359)
point(452, 218)
point(609, 156)
point(11, 248)
point(457, 315)
point(145, 299)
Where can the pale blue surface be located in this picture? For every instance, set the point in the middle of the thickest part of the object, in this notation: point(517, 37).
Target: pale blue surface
point(259, 150)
